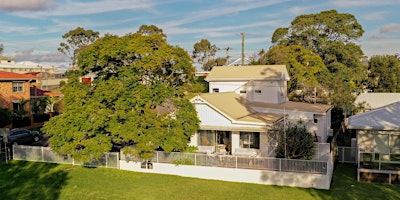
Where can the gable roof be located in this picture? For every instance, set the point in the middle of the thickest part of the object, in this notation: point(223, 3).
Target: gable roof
point(384, 118)
point(246, 73)
point(376, 100)
point(230, 104)
point(10, 76)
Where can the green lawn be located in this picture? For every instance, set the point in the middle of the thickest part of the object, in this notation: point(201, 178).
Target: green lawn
point(29, 180)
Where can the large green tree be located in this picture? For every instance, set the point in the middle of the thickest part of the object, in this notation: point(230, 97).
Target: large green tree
point(317, 31)
point(332, 36)
point(384, 73)
point(138, 95)
point(304, 66)
point(76, 40)
point(203, 52)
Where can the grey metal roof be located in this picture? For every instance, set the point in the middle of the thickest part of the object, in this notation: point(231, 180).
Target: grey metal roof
point(384, 118)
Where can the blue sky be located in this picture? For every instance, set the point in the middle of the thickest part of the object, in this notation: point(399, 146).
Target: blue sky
point(31, 30)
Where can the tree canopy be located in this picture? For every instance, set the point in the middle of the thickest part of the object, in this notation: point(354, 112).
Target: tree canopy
point(76, 39)
point(304, 67)
point(316, 31)
point(203, 52)
point(384, 73)
point(332, 36)
point(138, 97)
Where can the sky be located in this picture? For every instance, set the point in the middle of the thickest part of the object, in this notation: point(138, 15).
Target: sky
point(31, 30)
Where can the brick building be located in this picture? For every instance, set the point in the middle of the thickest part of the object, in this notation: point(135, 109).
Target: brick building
point(14, 88)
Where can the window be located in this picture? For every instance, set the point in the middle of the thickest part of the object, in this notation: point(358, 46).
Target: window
point(16, 106)
point(257, 91)
point(250, 140)
point(206, 138)
point(18, 86)
point(215, 89)
point(242, 91)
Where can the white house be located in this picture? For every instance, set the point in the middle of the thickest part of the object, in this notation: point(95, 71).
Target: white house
point(378, 142)
point(244, 103)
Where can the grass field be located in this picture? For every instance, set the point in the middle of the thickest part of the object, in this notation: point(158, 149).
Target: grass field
point(29, 180)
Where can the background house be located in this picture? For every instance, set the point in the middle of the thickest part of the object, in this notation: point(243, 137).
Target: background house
point(14, 88)
point(378, 143)
point(51, 76)
point(245, 103)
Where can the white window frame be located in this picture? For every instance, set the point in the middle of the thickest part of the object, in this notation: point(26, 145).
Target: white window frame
point(17, 86)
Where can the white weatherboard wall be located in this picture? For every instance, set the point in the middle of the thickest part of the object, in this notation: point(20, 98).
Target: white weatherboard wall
point(265, 177)
point(227, 86)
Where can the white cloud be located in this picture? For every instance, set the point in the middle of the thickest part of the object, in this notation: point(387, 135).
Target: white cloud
point(73, 8)
point(378, 36)
point(218, 31)
point(380, 46)
point(380, 15)
point(215, 12)
point(19, 5)
point(363, 3)
point(297, 10)
point(10, 28)
point(38, 57)
point(388, 28)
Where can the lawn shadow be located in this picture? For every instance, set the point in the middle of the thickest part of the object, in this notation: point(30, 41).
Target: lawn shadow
point(30, 180)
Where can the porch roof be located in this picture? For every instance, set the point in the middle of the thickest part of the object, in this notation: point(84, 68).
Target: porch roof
point(384, 118)
point(232, 105)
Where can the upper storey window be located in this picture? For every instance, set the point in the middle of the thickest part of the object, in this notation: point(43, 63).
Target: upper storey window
point(18, 86)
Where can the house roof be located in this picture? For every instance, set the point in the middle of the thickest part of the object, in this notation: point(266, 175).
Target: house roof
point(14, 76)
point(384, 118)
point(246, 73)
point(232, 105)
point(376, 100)
point(295, 106)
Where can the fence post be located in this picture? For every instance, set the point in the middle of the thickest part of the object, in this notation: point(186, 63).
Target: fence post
point(343, 150)
point(236, 162)
point(157, 156)
point(379, 161)
point(42, 154)
point(280, 164)
point(195, 159)
point(107, 154)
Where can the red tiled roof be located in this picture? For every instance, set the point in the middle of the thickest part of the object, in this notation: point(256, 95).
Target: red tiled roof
point(14, 76)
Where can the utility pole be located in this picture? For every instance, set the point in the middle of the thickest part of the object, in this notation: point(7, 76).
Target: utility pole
point(242, 34)
point(227, 55)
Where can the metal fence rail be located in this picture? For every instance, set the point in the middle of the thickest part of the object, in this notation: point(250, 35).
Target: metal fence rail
point(347, 154)
point(243, 162)
point(45, 154)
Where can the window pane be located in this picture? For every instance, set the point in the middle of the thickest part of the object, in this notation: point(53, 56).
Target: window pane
point(206, 138)
point(250, 140)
